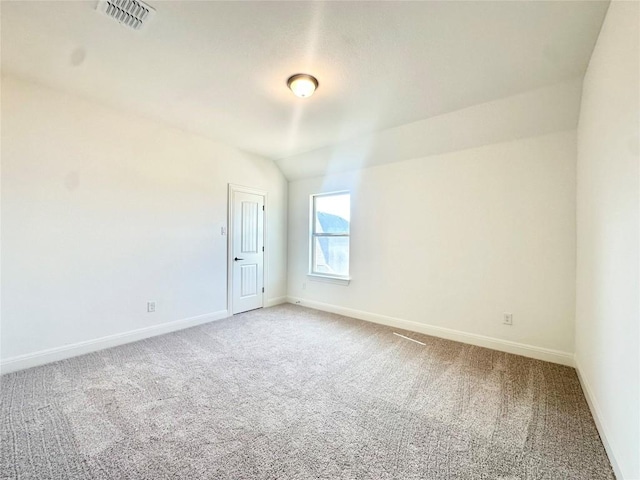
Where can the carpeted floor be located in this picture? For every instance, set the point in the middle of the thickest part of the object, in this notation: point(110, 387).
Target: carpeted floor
point(292, 393)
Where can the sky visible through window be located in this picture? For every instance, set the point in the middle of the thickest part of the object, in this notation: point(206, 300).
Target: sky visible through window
point(335, 205)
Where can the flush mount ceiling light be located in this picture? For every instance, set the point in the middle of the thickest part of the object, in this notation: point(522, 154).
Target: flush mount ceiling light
point(302, 85)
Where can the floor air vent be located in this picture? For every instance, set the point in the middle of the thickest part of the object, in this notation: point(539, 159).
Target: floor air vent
point(130, 13)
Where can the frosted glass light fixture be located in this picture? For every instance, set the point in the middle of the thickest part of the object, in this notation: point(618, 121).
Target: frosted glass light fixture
point(302, 85)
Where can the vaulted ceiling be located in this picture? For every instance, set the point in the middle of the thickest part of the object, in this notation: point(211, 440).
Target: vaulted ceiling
point(219, 68)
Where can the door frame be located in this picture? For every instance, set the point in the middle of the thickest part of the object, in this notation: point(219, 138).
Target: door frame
point(232, 188)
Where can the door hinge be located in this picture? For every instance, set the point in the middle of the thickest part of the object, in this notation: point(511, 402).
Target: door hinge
point(262, 289)
point(263, 208)
point(263, 249)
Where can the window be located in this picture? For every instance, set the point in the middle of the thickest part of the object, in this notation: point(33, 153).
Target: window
point(330, 218)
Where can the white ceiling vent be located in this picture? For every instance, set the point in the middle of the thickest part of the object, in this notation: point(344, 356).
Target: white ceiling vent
point(130, 13)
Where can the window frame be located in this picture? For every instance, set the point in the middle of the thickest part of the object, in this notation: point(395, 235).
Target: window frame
point(319, 276)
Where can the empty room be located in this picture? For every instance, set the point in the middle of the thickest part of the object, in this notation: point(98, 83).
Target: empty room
point(320, 240)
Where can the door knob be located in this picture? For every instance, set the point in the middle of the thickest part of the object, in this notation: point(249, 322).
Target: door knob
point(236, 259)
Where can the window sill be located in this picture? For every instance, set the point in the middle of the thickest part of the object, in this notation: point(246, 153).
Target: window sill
point(329, 279)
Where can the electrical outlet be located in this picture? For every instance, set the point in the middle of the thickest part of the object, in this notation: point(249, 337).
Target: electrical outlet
point(304, 286)
point(508, 319)
point(151, 307)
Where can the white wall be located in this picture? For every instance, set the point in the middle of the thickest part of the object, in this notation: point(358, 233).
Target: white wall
point(608, 283)
point(455, 240)
point(103, 211)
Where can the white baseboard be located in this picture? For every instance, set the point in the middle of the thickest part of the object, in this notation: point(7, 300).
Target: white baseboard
point(272, 302)
point(597, 417)
point(531, 351)
point(29, 360)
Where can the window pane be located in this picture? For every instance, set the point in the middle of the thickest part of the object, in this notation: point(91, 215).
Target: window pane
point(332, 213)
point(331, 255)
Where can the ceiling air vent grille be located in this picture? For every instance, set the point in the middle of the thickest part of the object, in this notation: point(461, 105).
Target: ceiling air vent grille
point(130, 13)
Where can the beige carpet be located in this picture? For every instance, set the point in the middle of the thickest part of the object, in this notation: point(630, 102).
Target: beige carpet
point(292, 393)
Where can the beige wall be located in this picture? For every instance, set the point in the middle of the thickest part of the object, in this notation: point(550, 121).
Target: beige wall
point(455, 240)
point(608, 283)
point(103, 211)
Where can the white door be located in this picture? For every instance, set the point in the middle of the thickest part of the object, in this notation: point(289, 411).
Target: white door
point(247, 248)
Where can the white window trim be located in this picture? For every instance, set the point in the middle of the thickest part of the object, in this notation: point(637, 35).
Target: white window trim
point(321, 277)
point(316, 277)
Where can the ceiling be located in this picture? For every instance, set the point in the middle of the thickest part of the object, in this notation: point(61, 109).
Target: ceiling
point(220, 68)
